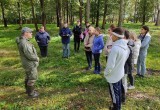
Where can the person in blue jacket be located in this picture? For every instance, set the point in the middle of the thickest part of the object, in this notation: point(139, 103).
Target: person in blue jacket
point(43, 38)
point(65, 34)
point(145, 38)
point(98, 45)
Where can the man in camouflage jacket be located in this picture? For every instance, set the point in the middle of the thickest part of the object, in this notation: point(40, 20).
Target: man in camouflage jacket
point(29, 59)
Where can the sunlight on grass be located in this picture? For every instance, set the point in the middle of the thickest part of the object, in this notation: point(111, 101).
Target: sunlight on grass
point(64, 84)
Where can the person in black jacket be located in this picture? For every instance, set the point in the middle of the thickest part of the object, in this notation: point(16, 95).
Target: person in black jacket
point(77, 32)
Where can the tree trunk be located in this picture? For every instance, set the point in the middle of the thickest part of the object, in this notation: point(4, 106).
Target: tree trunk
point(43, 14)
point(135, 11)
point(60, 13)
point(80, 10)
point(144, 13)
point(71, 14)
point(3, 15)
point(57, 15)
point(87, 11)
point(120, 20)
point(104, 14)
point(33, 14)
point(20, 15)
point(97, 17)
point(158, 16)
point(67, 3)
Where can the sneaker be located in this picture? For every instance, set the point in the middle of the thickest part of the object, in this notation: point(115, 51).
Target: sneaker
point(131, 87)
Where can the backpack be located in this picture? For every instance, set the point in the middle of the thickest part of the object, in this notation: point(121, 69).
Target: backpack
point(130, 62)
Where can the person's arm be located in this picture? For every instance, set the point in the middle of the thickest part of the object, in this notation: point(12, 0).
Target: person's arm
point(36, 38)
point(60, 33)
point(145, 41)
point(29, 52)
point(111, 62)
point(70, 33)
point(48, 37)
point(101, 46)
point(73, 30)
point(90, 44)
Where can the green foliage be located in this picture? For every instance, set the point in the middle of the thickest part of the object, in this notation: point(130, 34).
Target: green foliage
point(63, 84)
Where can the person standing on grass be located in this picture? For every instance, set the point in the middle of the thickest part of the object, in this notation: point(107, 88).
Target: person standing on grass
point(42, 38)
point(88, 42)
point(145, 38)
point(98, 45)
point(65, 34)
point(115, 67)
point(136, 48)
point(86, 31)
point(77, 32)
point(135, 54)
point(128, 67)
point(109, 42)
point(30, 60)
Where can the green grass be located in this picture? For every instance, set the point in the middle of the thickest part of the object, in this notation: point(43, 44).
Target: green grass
point(64, 85)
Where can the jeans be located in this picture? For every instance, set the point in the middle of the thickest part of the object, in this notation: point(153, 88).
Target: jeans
point(97, 63)
point(43, 50)
point(66, 50)
point(89, 58)
point(141, 65)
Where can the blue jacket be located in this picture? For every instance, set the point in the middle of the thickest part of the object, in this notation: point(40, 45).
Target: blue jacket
point(98, 44)
point(65, 34)
point(42, 38)
point(145, 41)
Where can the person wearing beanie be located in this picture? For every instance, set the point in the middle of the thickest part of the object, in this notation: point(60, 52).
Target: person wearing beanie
point(114, 70)
point(29, 59)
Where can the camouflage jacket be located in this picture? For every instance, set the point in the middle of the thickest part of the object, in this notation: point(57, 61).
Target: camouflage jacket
point(27, 52)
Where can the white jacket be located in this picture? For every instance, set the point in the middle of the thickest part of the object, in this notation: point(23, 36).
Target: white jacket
point(136, 49)
point(115, 66)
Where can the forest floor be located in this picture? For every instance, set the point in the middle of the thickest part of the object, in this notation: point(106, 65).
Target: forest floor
point(64, 84)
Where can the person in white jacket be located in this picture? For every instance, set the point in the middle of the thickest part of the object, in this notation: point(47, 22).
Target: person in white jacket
point(115, 66)
point(137, 45)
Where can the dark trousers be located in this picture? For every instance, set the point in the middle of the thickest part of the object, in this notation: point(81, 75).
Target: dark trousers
point(89, 58)
point(43, 50)
point(97, 63)
point(131, 79)
point(115, 92)
point(76, 45)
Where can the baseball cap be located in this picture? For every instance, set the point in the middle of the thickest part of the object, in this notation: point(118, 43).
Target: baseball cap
point(26, 29)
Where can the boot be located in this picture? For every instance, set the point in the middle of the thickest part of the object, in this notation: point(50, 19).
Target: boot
point(31, 92)
point(25, 84)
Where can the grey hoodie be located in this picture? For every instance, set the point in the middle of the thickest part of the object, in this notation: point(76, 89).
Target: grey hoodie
point(115, 66)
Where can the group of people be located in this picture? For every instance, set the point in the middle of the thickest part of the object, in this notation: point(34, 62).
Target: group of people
point(123, 50)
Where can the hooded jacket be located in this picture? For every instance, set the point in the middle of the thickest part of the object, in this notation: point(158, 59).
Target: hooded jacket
point(28, 53)
point(98, 44)
point(116, 60)
point(42, 38)
point(145, 41)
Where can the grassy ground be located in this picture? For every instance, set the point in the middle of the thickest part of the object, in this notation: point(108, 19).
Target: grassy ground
point(64, 85)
